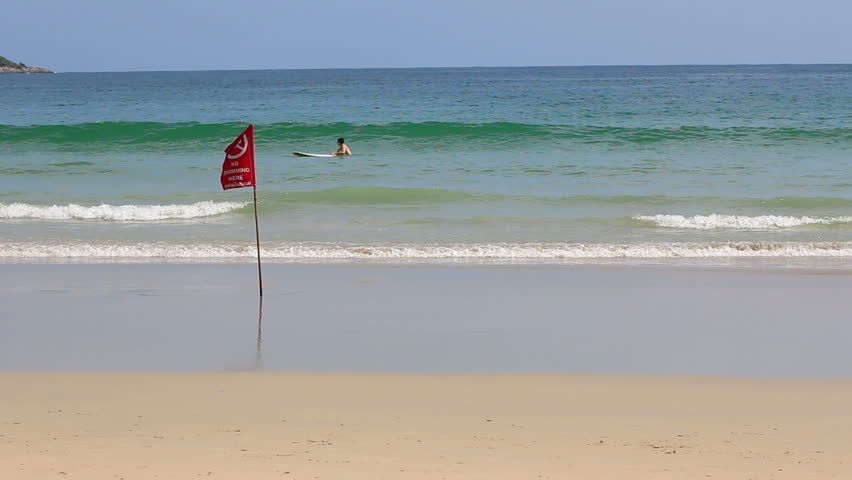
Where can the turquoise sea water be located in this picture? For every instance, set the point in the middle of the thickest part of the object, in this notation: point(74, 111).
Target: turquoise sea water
point(519, 164)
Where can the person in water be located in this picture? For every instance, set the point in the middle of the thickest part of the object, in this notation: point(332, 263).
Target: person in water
point(342, 148)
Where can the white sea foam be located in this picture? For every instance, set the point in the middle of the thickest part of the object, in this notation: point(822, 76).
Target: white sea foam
point(512, 252)
point(738, 222)
point(121, 213)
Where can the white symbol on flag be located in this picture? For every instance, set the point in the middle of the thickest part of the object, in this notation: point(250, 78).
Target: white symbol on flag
point(242, 148)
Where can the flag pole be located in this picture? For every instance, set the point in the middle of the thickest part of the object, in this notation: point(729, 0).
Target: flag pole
point(257, 237)
point(239, 160)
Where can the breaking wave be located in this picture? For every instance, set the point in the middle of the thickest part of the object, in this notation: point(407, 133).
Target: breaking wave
point(497, 251)
point(738, 222)
point(121, 213)
point(191, 134)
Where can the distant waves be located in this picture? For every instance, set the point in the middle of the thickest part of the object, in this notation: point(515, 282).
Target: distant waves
point(413, 198)
point(189, 136)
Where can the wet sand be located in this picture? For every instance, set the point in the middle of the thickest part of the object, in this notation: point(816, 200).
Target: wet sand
point(746, 322)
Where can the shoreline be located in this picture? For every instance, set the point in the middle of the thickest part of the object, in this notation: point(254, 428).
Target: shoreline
point(386, 426)
point(836, 264)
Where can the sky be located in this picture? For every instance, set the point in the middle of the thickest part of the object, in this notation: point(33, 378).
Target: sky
point(132, 35)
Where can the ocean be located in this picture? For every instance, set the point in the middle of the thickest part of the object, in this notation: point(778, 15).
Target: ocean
point(695, 164)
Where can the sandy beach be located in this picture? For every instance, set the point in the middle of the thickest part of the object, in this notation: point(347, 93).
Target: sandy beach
point(122, 371)
point(386, 426)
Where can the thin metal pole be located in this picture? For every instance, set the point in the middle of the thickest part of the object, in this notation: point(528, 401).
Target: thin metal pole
point(257, 235)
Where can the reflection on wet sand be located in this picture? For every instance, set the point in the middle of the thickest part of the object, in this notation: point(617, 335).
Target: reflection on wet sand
point(258, 359)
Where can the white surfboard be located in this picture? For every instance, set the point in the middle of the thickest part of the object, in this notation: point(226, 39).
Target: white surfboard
point(303, 154)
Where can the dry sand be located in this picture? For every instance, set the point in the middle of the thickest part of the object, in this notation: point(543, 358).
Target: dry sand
point(409, 426)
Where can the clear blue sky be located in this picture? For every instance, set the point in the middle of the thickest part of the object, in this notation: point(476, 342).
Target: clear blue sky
point(118, 35)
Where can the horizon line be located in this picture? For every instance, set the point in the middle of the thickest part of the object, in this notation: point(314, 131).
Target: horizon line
point(468, 67)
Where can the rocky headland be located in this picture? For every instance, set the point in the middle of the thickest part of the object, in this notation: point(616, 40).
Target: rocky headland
point(8, 66)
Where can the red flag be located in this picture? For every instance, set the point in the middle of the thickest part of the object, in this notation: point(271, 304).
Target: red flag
point(238, 169)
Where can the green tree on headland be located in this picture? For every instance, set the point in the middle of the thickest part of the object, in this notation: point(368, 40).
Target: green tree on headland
point(5, 62)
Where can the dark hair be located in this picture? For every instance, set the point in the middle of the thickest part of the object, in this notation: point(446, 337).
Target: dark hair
point(340, 140)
